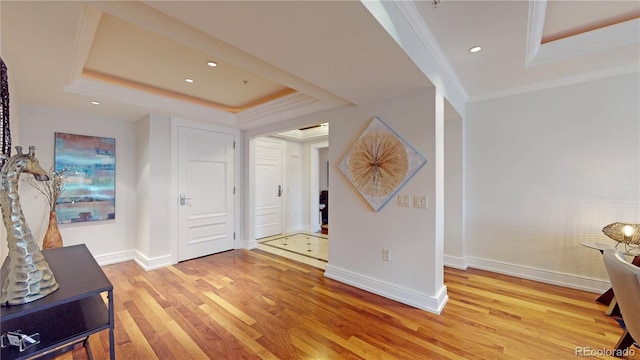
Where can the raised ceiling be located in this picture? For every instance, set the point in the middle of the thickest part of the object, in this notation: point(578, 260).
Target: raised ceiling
point(298, 57)
point(128, 55)
point(569, 18)
point(514, 58)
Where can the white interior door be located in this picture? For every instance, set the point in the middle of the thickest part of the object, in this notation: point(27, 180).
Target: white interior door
point(205, 186)
point(269, 187)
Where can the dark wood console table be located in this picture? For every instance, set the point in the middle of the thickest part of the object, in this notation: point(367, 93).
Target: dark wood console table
point(68, 315)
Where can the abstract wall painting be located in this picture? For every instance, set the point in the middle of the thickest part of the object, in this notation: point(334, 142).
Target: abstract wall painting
point(379, 163)
point(89, 166)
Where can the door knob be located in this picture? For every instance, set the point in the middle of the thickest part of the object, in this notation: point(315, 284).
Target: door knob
point(279, 190)
point(183, 199)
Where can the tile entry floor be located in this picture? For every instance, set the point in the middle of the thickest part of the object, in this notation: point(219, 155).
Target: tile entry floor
point(307, 248)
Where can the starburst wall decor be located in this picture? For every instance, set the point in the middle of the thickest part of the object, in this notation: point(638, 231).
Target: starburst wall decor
point(379, 163)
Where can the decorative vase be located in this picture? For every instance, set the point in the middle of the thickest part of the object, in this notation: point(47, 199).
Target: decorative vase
point(52, 238)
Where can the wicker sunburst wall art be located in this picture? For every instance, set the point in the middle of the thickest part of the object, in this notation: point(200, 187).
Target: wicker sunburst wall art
point(380, 163)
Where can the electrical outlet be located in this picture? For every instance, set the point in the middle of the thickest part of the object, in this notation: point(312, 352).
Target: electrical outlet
point(385, 255)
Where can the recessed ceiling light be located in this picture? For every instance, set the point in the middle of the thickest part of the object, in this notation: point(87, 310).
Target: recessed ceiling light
point(212, 63)
point(475, 49)
point(95, 102)
point(188, 80)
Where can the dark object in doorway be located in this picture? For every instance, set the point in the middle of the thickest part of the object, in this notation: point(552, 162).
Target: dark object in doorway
point(324, 200)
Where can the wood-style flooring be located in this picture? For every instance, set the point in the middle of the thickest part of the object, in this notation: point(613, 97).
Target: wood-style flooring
point(255, 305)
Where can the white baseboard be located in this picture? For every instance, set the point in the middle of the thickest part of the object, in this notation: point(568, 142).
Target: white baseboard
point(115, 258)
point(144, 262)
point(455, 262)
point(545, 276)
point(152, 264)
point(433, 304)
point(250, 244)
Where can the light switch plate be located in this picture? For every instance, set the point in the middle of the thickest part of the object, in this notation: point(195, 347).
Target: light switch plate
point(420, 201)
point(403, 200)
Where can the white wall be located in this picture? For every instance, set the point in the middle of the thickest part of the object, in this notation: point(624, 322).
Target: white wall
point(143, 181)
point(547, 169)
point(153, 136)
point(108, 239)
point(358, 233)
point(453, 189)
point(160, 150)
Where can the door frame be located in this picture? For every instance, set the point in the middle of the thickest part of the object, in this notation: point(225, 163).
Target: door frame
point(314, 184)
point(237, 164)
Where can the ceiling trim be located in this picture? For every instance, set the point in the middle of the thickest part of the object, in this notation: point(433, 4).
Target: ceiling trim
point(87, 28)
point(535, 27)
point(600, 74)
point(402, 21)
point(590, 27)
point(151, 102)
point(84, 82)
point(591, 41)
point(283, 108)
point(160, 23)
point(280, 106)
point(95, 75)
point(412, 14)
point(294, 105)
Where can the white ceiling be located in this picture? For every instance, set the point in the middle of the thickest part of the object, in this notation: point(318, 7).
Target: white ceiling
point(336, 45)
point(502, 29)
point(329, 53)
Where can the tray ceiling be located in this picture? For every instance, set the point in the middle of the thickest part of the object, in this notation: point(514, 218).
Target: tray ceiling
point(125, 54)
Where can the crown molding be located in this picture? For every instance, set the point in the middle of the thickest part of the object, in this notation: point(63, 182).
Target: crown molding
point(416, 20)
point(149, 18)
point(284, 107)
point(601, 39)
point(601, 74)
point(287, 107)
point(86, 31)
point(535, 27)
point(403, 22)
point(285, 103)
point(150, 102)
point(81, 84)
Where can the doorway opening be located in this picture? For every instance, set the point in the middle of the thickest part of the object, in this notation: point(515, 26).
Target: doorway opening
point(303, 194)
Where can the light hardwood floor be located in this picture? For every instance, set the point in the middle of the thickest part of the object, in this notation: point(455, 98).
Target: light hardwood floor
point(255, 305)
